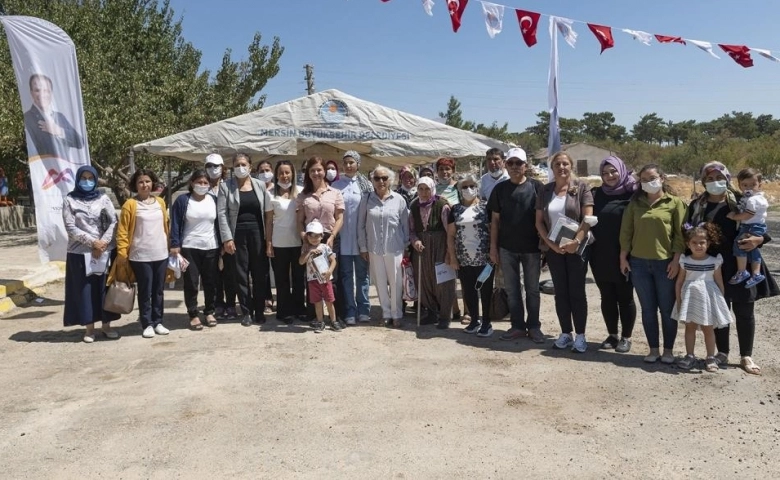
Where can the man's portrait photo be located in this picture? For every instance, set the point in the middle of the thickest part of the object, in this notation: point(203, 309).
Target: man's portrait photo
point(51, 133)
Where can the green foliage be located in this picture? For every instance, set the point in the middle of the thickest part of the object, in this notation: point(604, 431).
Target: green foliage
point(140, 79)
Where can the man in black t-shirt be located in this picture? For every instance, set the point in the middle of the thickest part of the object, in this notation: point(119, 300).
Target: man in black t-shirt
point(515, 243)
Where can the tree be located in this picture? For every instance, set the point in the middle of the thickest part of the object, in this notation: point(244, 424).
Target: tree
point(454, 115)
point(570, 128)
point(767, 125)
point(650, 128)
point(601, 126)
point(740, 125)
point(679, 132)
point(140, 78)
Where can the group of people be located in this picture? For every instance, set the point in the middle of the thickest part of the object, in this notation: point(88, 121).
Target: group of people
point(326, 239)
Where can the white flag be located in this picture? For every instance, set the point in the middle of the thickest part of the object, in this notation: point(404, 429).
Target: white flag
point(554, 133)
point(494, 18)
point(428, 6)
point(44, 60)
point(564, 26)
point(766, 54)
point(639, 35)
point(706, 46)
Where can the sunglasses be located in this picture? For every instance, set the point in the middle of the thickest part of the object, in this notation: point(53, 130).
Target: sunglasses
point(512, 163)
point(381, 179)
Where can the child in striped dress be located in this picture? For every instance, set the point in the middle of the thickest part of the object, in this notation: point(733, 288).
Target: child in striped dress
point(700, 300)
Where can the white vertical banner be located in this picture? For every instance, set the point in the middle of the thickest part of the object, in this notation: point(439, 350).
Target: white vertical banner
point(554, 133)
point(44, 60)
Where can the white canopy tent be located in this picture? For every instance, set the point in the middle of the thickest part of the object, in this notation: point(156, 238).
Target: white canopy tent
point(327, 124)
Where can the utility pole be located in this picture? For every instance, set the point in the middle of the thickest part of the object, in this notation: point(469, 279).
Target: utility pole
point(309, 78)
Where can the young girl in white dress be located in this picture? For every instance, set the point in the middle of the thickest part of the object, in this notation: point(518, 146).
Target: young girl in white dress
point(700, 300)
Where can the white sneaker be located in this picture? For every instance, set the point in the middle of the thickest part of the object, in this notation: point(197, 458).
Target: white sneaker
point(159, 329)
point(364, 318)
point(564, 341)
point(148, 332)
point(349, 320)
point(580, 344)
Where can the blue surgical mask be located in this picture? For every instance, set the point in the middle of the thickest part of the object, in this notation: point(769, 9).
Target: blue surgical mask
point(718, 187)
point(87, 185)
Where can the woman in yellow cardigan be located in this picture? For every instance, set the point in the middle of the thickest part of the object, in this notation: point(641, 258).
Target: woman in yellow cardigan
point(142, 240)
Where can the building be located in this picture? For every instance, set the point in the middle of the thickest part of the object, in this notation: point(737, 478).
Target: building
point(587, 158)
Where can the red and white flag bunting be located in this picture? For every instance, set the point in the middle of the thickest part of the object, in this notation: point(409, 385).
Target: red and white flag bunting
point(529, 25)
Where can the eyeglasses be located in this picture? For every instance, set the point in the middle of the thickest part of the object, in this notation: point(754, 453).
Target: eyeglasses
point(513, 163)
point(381, 179)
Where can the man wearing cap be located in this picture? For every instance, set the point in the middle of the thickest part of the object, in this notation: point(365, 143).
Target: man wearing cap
point(353, 269)
point(515, 244)
point(494, 161)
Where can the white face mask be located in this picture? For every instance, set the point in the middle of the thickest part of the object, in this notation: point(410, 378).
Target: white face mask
point(652, 187)
point(214, 172)
point(265, 176)
point(200, 189)
point(241, 172)
point(443, 181)
point(718, 187)
point(284, 186)
point(469, 193)
point(497, 173)
point(330, 174)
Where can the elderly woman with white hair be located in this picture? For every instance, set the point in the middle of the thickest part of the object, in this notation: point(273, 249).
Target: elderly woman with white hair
point(428, 214)
point(468, 244)
point(383, 235)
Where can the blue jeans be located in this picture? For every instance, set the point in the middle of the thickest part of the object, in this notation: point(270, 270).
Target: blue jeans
point(747, 229)
point(656, 292)
point(510, 265)
point(353, 276)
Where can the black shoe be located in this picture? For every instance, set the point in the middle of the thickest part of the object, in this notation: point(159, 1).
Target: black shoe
point(430, 319)
point(609, 344)
point(260, 320)
point(246, 321)
point(473, 327)
point(288, 320)
point(456, 316)
point(443, 324)
point(336, 326)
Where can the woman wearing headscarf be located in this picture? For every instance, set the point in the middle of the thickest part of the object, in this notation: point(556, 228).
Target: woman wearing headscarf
point(383, 235)
point(713, 205)
point(407, 183)
point(617, 291)
point(566, 198)
point(427, 232)
point(353, 268)
point(242, 204)
point(90, 220)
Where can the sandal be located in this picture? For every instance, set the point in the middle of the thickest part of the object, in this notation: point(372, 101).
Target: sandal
point(749, 366)
point(711, 365)
point(211, 321)
point(195, 324)
point(465, 320)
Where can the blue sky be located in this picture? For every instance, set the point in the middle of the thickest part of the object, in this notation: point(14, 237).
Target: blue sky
point(394, 54)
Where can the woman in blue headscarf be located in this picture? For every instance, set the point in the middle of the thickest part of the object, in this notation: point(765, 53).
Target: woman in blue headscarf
point(90, 220)
point(617, 292)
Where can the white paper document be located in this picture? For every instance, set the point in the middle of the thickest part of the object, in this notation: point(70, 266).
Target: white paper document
point(444, 273)
point(96, 266)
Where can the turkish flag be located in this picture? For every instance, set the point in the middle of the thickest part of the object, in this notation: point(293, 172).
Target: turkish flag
point(529, 22)
point(603, 35)
point(456, 8)
point(667, 39)
point(739, 53)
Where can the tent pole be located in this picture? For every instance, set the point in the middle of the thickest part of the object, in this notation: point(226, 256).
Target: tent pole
point(168, 190)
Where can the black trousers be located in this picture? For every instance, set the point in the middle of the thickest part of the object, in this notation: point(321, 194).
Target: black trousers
point(618, 306)
point(150, 277)
point(472, 296)
point(225, 293)
point(745, 321)
point(290, 282)
point(203, 268)
point(249, 260)
point(571, 302)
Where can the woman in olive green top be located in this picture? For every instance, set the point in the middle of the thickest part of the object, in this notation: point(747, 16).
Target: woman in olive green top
point(651, 234)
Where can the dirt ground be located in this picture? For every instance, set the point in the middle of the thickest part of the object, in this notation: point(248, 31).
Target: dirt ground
point(371, 402)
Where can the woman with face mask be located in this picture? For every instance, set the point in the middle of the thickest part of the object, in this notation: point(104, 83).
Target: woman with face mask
point(566, 200)
point(713, 205)
point(195, 234)
point(90, 220)
point(331, 172)
point(265, 173)
point(225, 300)
point(468, 245)
point(651, 235)
point(242, 204)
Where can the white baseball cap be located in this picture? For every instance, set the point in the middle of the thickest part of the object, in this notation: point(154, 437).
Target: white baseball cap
point(215, 159)
point(517, 153)
point(315, 227)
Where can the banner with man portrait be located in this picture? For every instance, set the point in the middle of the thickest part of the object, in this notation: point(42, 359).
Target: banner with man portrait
point(44, 61)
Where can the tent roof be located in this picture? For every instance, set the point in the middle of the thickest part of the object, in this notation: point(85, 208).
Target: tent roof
point(327, 124)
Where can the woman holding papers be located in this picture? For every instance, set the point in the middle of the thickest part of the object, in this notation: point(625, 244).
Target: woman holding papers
point(617, 291)
point(561, 207)
point(651, 234)
point(427, 231)
point(90, 220)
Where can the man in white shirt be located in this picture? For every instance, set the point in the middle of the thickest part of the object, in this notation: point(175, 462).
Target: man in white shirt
point(494, 160)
